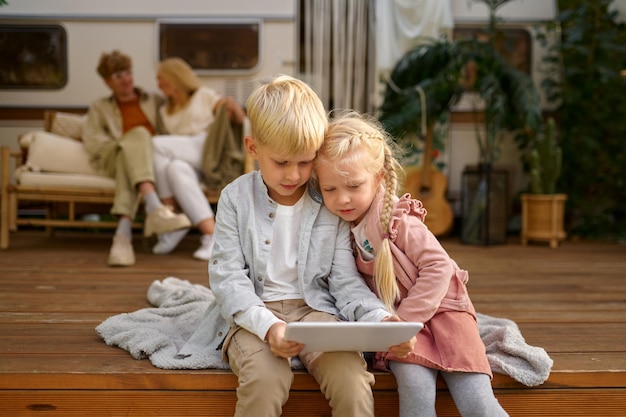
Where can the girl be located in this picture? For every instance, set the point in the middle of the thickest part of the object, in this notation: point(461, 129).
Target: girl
point(406, 266)
point(187, 115)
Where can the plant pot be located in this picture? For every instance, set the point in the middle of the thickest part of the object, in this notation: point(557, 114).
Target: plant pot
point(485, 205)
point(543, 218)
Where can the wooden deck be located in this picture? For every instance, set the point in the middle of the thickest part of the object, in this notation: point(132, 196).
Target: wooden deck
point(55, 290)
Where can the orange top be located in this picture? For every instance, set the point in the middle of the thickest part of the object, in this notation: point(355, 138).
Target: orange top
point(133, 116)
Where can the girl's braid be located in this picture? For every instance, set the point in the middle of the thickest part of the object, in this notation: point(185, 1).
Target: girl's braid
point(384, 275)
point(391, 185)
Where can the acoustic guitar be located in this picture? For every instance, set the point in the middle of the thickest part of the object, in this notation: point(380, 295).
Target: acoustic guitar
point(429, 185)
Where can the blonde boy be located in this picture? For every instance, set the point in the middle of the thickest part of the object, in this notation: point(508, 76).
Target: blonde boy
point(281, 256)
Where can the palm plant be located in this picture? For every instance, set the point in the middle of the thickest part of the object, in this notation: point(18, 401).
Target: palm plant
point(445, 70)
point(434, 68)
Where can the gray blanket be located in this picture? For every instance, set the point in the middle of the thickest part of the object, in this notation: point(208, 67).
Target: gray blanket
point(161, 332)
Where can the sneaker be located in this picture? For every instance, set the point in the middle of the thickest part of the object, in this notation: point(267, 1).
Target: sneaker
point(203, 253)
point(163, 220)
point(121, 253)
point(167, 242)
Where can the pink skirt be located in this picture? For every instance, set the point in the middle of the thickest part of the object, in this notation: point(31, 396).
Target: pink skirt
point(448, 342)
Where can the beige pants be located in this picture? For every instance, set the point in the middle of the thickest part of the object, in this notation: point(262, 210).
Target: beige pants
point(265, 380)
point(129, 162)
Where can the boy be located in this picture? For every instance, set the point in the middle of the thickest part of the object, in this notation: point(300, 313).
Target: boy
point(117, 135)
point(280, 256)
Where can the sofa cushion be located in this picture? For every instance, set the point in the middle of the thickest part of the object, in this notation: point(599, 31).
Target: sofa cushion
point(48, 152)
point(54, 179)
point(69, 125)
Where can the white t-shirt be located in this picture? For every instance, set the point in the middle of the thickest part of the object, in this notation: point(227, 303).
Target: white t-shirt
point(367, 252)
point(196, 117)
point(282, 268)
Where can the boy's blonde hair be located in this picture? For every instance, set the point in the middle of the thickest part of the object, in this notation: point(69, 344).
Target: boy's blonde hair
point(287, 115)
point(182, 77)
point(353, 138)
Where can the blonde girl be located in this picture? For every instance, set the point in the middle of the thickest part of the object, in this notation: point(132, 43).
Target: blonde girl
point(406, 266)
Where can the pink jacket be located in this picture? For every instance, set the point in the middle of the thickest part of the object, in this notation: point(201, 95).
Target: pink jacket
point(430, 281)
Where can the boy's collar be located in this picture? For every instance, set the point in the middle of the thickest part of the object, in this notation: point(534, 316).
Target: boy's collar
point(314, 194)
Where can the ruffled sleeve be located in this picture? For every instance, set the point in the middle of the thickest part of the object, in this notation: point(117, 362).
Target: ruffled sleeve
point(404, 207)
point(426, 267)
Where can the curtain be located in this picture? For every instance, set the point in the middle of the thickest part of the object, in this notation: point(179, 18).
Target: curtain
point(402, 24)
point(339, 52)
point(349, 46)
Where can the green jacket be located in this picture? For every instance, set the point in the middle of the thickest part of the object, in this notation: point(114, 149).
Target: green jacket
point(104, 121)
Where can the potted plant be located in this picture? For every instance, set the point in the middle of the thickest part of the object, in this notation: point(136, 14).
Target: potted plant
point(582, 78)
point(542, 207)
point(445, 70)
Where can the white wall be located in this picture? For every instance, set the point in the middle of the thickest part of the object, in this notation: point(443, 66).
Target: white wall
point(514, 11)
point(134, 8)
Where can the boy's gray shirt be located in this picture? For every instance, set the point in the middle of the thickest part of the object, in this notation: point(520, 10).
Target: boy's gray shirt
point(327, 275)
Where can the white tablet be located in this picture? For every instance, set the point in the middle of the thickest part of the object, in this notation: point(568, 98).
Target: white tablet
point(350, 336)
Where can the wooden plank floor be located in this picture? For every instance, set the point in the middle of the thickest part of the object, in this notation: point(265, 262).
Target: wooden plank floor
point(54, 291)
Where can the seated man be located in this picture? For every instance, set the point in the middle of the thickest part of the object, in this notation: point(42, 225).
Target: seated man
point(117, 135)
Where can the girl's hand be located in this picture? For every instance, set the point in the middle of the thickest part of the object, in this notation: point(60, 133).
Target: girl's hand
point(278, 345)
point(235, 113)
point(403, 349)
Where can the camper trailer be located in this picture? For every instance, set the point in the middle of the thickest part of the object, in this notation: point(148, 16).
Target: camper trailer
point(232, 45)
point(243, 40)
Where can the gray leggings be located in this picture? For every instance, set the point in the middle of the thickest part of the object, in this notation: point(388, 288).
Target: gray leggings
point(417, 389)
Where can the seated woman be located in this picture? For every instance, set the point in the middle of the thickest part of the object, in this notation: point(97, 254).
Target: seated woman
point(187, 115)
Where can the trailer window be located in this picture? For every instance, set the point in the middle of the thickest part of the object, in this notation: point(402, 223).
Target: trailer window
point(212, 46)
point(33, 57)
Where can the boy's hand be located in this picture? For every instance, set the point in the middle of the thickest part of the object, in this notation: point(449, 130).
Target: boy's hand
point(278, 345)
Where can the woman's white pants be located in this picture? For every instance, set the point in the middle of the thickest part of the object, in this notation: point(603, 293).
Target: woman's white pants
point(178, 172)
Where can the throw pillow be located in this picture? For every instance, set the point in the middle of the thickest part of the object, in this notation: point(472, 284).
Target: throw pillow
point(48, 152)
